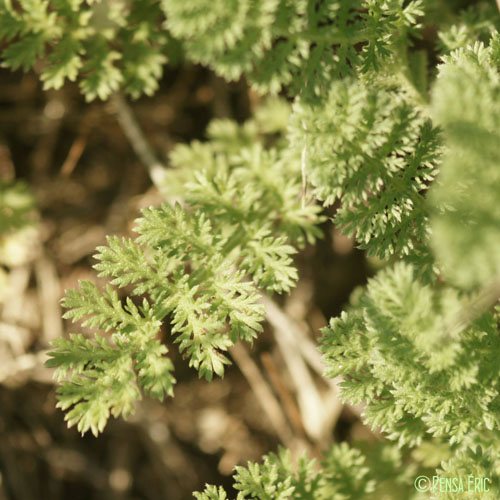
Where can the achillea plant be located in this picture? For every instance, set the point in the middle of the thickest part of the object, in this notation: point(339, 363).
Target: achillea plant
point(403, 139)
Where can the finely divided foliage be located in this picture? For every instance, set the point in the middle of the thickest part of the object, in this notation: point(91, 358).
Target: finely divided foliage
point(408, 156)
point(371, 148)
point(298, 44)
point(275, 43)
point(343, 473)
point(199, 267)
point(398, 353)
point(109, 45)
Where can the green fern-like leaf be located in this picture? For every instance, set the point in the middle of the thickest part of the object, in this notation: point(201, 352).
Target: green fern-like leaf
point(198, 269)
point(278, 43)
point(369, 147)
point(401, 351)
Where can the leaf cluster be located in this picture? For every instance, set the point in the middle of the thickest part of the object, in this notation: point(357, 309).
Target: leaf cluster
point(107, 44)
point(276, 478)
point(303, 45)
point(199, 266)
point(398, 349)
point(344, 472)
point(368, 146)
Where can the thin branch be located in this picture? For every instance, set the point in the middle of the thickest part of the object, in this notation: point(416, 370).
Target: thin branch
point(289, 404)
point(49, 292)
point(263, 392)
point(472, 310)
point(310, 402)
point(308, 349)
point(285, 326)
point(74, 154)
point(134, 134)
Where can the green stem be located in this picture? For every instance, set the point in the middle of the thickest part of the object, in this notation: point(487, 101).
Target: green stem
point(327, 36)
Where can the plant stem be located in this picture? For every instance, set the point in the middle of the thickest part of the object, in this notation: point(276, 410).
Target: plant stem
point(263, 392)
point(478, 305)
point(137, 139)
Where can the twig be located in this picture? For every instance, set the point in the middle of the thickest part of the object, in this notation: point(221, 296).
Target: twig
point(498, 4)
point(286, 398)
point(482, 302)
point(262, 392)
point(291, 332)
point(74, 154)
point(136, 137)
point(282, 321)
point(310, 402)
point(49, 293)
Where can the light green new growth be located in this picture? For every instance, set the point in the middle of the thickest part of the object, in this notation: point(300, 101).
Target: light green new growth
point(424, 359)
point(192, 266)
point(343, 473)
point(398, 351)
point(476, 23)
point(275, 43)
